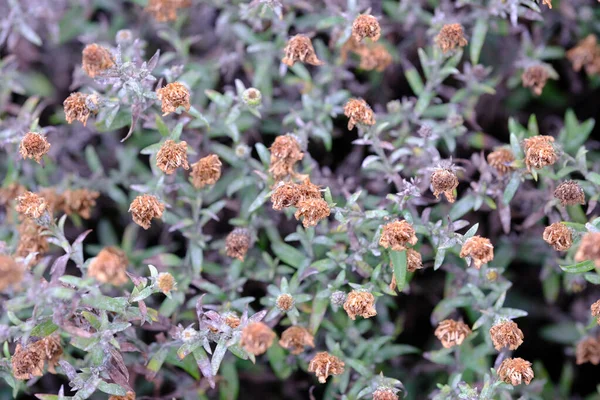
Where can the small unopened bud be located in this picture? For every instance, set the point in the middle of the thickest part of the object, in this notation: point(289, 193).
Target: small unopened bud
point(165, 282)
point(124, 37)
point(338, 298)
point(284, 302)
point(252, 97)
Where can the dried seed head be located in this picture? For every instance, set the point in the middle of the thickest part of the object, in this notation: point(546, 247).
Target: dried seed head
point(252, 97)
point(559, 236)
point(172, 156)
point(300, 48)
point(569, 193)
point(27, 364)
point(166, 10)
point(128, 396)
point(79, 202)
point(444, 181)
point(535, 77)
point(173, 96)
point(586, 55)
point(539, 152)
point(366, 26)
point(384, 394)
point(360, 303)
point(31, 241)
point(31, 205)
point(206, 171)
point(165, 282)
point(589, 249)
point(232, 321)
point(501, 159)
point(398, 235)
point(11, 273)
point(257, 338)
point(450, 37)
point(295, 338)
point(338, 298)
point(284, 302)
point(324, 364)
point(144, 208)
point(595, 308)
point(78, 106)
point(285, 153)
point(96, 59)
point(480, 249)
point(506, 334)
point(312, 210)
point(588, 350)
point(515, 371)
point(237, 243)
point(309, 190)
point(109, 266)
point(34, 146)
point(374, 57)
point(358, 112)
point(124, 37)
point(452, 333)
point(50, 349)
point(286, 194)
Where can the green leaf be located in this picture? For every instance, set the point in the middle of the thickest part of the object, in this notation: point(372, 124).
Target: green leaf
point(511, 188)
point(44, 329)
point(592, 277)
point(398, 260)
point(462, 207)
point(278, 360)
point(477, 39)
point(157, 361)
point(578, 268)
point(414, 80)
point(288, 254)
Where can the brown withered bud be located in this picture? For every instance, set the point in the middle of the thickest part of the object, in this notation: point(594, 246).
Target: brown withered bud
point(506, 334)
point(559, 236)
point(128, 396)
point(535, 77)
point(384, 394)
point(360, 303)
point(398, 235)
point(515, 371)
point(11, 273)
point(50, 349)
point(375, 57)
point(284, 302)
point(286, 194)
point(300, 48)
point(324, 364)
point(171, 156)
point(586, 55)
point(569, 193)
point(480, 249)
point(96, 59)
point(257, 338)
point(10, 193)
point(237, 243)
point(295, 338)
point(109, 266)
point(589, 249)
point(144, 208)
point(285, 153)
point(173, 96)
point(206, 171)
point(31, 205)
point(452, 333)
point(413, 263)
point(79, 202)
point(595, 309)
point(166, 10)
point(34, 146)
point(165, 282)
point(27, 364)
point(588, 351)
point(54, 200)
point(501, 159)
point(232, 321)
point(358, 112)
point(312, 210)
point(366, 26)
point(79, 106)
point(539, 152)
point(450, 37)
point(31, 240)
point(444, 181)
point(309, 190)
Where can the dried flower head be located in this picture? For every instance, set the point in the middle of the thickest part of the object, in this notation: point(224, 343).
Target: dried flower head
point(366, 26)
point(548, 3)
point(173, 96)
point(559, 236)
point(515, 371)
point(295, 338)
point(444, 181)
point(206, 171)
point(166, 10)
point(96, 59)
point(312, 210)
point(79, 106)
point(569, 193)
point(257, 338)
point(361, 303)
point(374, 57)
point(237, 243)
point(54, 200)
point(398, 235)
point(358, 112)
point(452, 333)
point(480, 249)
point(535, 77)
point(232, 321)
point(501, 159)
point(109, 266)
point(300, 48)
point(309, 190)
point(539, 152)
point(595, 309)
point(27, 364)
point(506, 334)
point(165, 282)
point(384, 394)
point(589, 249)
point(586, 55)
point(286, 194)
point(31, 241)
point(34, 146)
point(79, 202)
point(128, 396)
point(172, 156)
point(51, 350)
point(450, 37)
point(284, 302)
point(10, 193)
point(285, 153)
point(11, 273)
point(588, 350)
point(144, 208)
point(324, 364)
point(31, 205)
point(414, 262)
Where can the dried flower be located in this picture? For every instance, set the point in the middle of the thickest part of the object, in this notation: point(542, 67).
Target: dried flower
point(96, 59)
point(414, 262)
point(300, 48)
point(79, 202)
point(237, 243)
point(109, 266)
point(128, 396)
point(286, 194)
point(588, 350)
point(559, 236)
point(295, 338)
point(252, 97)
point(285, 153)
point(589, 249)
point(515, 371)
point(501, 160)
point(78, 106)
point(31, 240)
point(284, 302)
point(27, 364)
point(34, 146)
point(384, 394)
point(358, 112)
point(166, 10)
point(506, 334)
point(548, 3)
point(569, 193)
point(450, 37)
point(50, 349)
point(480, 249)
point(452, 333)
point(374, 57)
point(31, 205)
point(312, 210)
point(324, 364)
point(444, 181)
point(172, 156)
point(54, 200)
point(595, 308)
point(232, 321)
point(535, 77)
point(165, 282)
point(360, 303)
point(11, 273)
point(586, 55)
point(144, 208)
point(10, 193)
point(539, 152)
point(257, 338)
point(206, 171)
point(173, 96)
point(398, 235)
point(366, 26)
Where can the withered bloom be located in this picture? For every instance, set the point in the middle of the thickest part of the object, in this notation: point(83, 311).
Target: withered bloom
point(11, 273)
point(78, 106)
point(31, 205)
point(589, 249)
point(295, 338)
point(586, 55)
point(309, 190)
point(165, 282)
point(173, 96)
point(450, 37)
point(206, 171)
point(31, 240)
point(300, 48)
point(480, 249)
point(128, 396)
point(51, 350)
point(96, 59)
point(109, 266)
point(312, 210)
point(144, 208)
point(166, 10)
point(284, 302)
point(515, 371)
point(414, 262)
point(257, 338)
point(559, 236)
point(539, 152)
point(588, 351)
point(501, 159)
point(595, 309)
point(172, 156)
point(232, 321)
point(286, 194)
point(34, 146)
point(452, 333)
point(54, 200)
point(237, 243)
point(324, 364)
point(10, 193)
point(358, 112)
point(29, 361)
point(535, 77)
point(444, 181)
point(79, 202)
point(285, 153)
point(360, 303)
point(569, 193)
point(384, 394)
point(548, 3)
point(506, 334)
point(375, 57)
point(366, 26)
point(398, 235)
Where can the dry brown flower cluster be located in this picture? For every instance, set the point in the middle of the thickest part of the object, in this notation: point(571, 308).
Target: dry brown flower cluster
point(284, 302)
point(384, 394)
point(366, 26)
point(398, 235)
point(96, 59)
point(452, 333)
point(414, 261)
point(480, 249)
point(588, 351)
point(31, 205)
point(296, 338)
point(237, 243)
point(359, 302)
point(450, 37)
point(31, 241)
point(173, 96)
point(324, 364)
point(206, 171)
point(79, 202)
point(444, 181)
point(312, 210)
point(29, 362)
point(34, 146)
point(559, 236)
point(539, 152)
point(300, 48)
point(515, 371)
point(109, 266)
point(358, 112)
point(373, 56)
point(172, 156)
point(506, 334)
point(144, 208)
point(166, 10)
point(306, 197)
point(589, 248)
point(232, 320)
point(79, 106)
point(569, 193)
point(11, 272)
point(501, 159)
point(165, 282)
point(586, 55)
point(595, 310)
point(285, 153)
point(548, 3)
point(128, 396)
point(257, 338)
point(535, 77)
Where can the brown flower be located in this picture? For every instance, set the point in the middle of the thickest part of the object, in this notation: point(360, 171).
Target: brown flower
point(309, 190)
point(501, 160)
point(312, 210)
point(173, 96)
point(78, 106)
point(535, 77)
point(374, 57)
point(144, 208)
point(366, 26)
point(31, 205)
point(232, 321)
point(165, 282)
point(166, 10)
point(360, 303)
point(548, 3)
point(295, 338)
point(11, 273)
point(450, 37)
point(300, 48)
point(79, 202)
point(480, 249)
point(515, 371)
point(398, 235)
point(26, 364)
point(257, 338)
point(206, 171)
point(595, 308)
point(506, 334)
point(358, 112)
point(586, 55)
point(51, 350)
point(34, 146)
point(237, 243)
point(413, 263)
point(384, 394)
point(54, 200)
point(452, 333)
point(559, 236)
point(284, 302)
point(128, 396)
point(324, 364)
point(109, 266)
point(539, 152)
point(96, 59)
point(589, 249)
point(444, 181)
point(286, 194)
point(588, 350)
point(31, 240)
point(10, 193)
point(172, 156)
point(285, 153)
point(569, 193)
